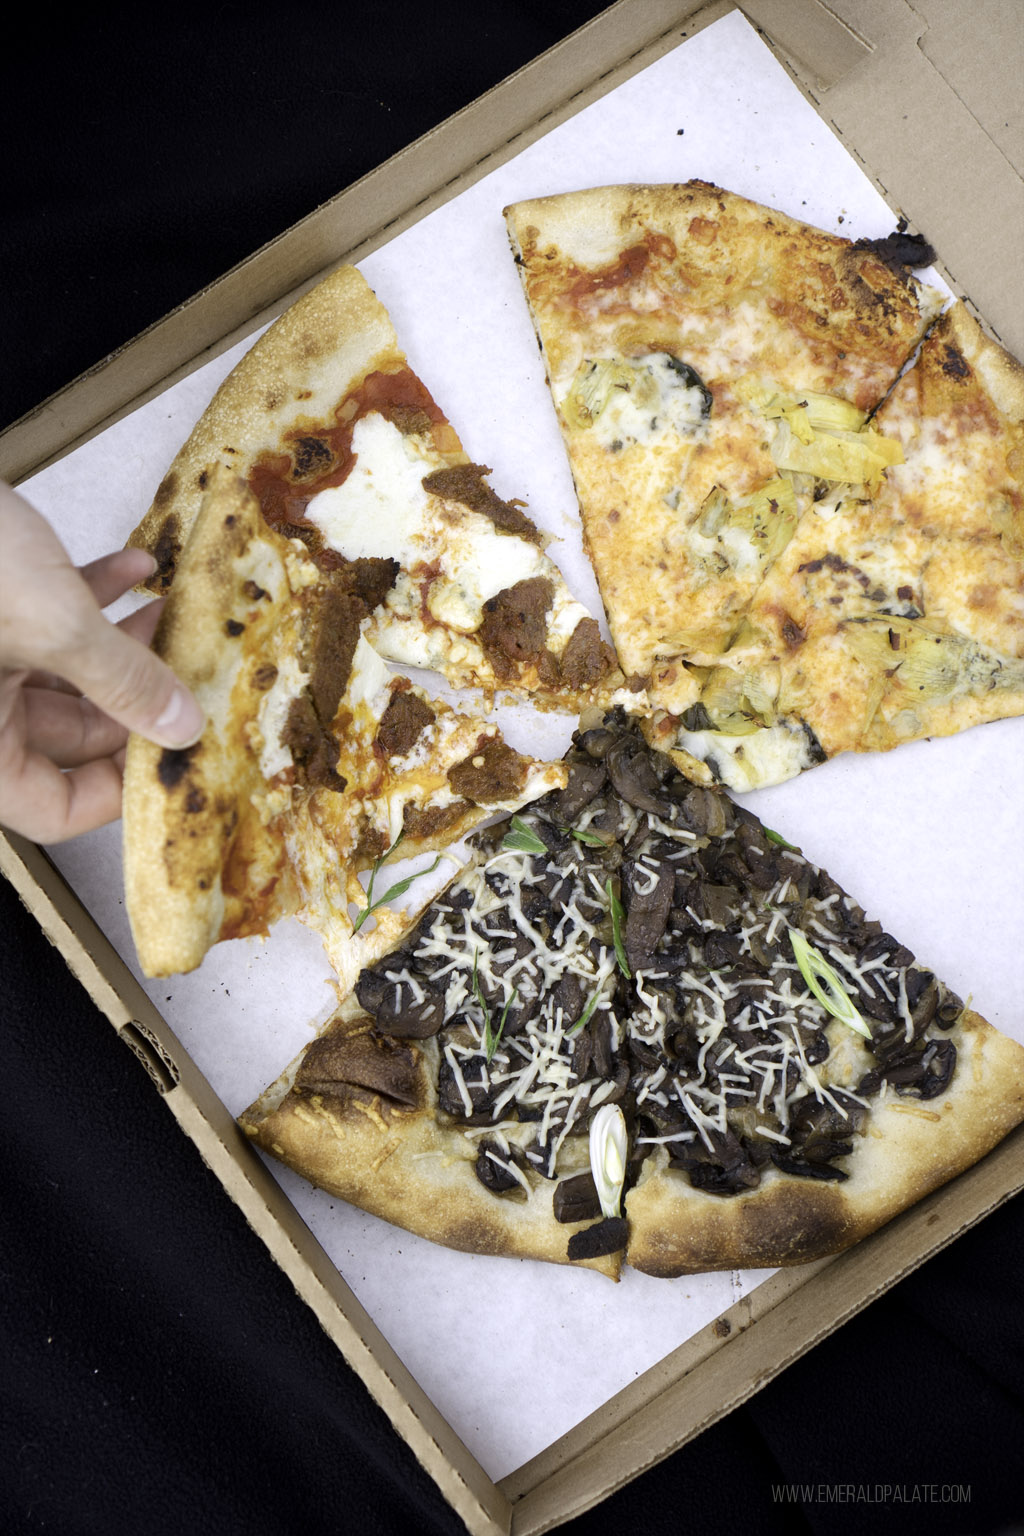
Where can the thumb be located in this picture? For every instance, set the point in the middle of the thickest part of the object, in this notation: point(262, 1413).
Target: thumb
point(132, 685)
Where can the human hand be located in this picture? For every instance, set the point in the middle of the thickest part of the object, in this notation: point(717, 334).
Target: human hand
point(72, 685)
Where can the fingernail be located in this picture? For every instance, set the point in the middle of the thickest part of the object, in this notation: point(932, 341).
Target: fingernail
point(181, 722)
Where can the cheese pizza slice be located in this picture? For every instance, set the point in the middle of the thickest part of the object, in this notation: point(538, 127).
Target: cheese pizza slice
point(345, 448)
point(317, 762)
point(640, 1027)
point(693, 341)
point(895, 612)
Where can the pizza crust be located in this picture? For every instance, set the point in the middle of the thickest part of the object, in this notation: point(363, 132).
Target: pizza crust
point(910, 1147)
point(405, 1165)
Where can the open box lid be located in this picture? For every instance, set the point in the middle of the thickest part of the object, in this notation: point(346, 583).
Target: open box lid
point(839, 58)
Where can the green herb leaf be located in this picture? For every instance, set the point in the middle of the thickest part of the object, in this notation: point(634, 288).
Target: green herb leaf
point(776, 837)
point(398, 889)
point(618, 913)
point(587, 1014)
point(492, 1041)
point(590, 838)
point(608, 1146)
point(825, 984)
point(522, 838)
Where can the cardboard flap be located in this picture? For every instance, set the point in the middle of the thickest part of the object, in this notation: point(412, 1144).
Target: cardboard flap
point(814, 37)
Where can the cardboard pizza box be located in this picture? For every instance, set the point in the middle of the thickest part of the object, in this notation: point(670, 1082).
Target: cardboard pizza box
point(918, 95)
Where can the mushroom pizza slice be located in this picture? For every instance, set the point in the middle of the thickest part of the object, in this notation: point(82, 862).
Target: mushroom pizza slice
point(638, 1026)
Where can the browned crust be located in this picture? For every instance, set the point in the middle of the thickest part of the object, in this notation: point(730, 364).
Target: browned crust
point(186, 814)
point(910, 1148)
point(1000, 374)
point(726, 244)
point(300, 369)
point(403, 1165)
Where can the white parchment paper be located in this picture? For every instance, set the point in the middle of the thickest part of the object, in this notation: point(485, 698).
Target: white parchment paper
point(929, 838)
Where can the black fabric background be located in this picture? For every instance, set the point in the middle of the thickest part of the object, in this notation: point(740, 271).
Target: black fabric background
point(157, 1372)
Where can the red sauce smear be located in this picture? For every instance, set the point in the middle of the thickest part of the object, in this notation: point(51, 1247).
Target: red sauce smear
point(316, 455)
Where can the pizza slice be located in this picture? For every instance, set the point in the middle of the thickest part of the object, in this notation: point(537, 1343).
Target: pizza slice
point(693, 340)
point(317, 762)
point(894, 613)
point(345, 449)
point(640, 1027)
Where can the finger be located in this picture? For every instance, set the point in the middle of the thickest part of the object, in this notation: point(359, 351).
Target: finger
point(68, 729)
point(141, 624)
point(111, 576)
point(36, 798)
point(49, 806)
point(131, 684)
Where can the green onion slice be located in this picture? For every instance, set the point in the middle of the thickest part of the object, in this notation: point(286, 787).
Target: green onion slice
point(825, 984)
point(522, 838)
point(618, 913)
point(608, 1156)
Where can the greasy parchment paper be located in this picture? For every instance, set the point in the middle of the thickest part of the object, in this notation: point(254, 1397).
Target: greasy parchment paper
point(512, 1353)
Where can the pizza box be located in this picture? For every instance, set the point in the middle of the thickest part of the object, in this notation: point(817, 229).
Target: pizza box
point(923, 118)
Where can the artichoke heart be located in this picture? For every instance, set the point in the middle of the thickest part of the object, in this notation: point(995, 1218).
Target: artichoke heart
point(751, 531)
point(630, 400)
point(852, 457)
point(734, 703)
point(930, 662)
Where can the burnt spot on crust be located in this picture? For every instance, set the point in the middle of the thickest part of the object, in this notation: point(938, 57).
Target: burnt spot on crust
point(234, 627)
point(797, 1222)
point(465, 483)
point(166, 550)
point(173, 765)
point(264, 677)
point(900, 251)
point(254, 591)
point(195, 800)
point(166, 491)
point(954, 364)
point(403, 722)
point(514, 628)
point(493, 773)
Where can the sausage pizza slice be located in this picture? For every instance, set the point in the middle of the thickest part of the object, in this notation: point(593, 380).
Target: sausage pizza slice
point(345, 449)
point(317, 762)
